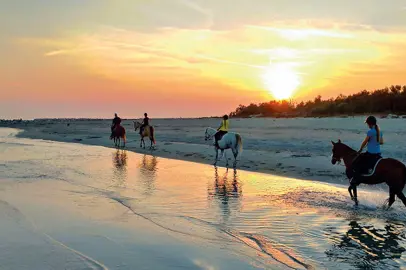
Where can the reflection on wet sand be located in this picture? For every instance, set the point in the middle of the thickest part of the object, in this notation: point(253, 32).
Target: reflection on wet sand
point(148, 169)
point(366, 247)
point(226, 192)
point(120, 166)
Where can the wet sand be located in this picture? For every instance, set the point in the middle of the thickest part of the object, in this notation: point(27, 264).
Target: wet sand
point(71, 206)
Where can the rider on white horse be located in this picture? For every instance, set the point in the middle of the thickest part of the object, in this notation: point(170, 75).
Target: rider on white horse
point(224, 140)
point(222, 130)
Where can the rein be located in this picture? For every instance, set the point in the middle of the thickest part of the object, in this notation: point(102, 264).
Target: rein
point(352, 161)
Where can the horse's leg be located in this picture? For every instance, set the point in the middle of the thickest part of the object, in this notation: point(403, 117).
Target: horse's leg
point(235, 153)
point(225, 155)
point(222, 154)
point(217, 155)
point(402, 197)
point(391, 199)
point(352, 189)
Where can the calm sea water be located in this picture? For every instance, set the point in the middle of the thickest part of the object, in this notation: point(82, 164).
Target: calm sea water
point(258, 220)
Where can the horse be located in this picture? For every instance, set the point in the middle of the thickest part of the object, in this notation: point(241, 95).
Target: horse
point(147, 132)
point(230, 140)
point(387, 170)
point(117, 134)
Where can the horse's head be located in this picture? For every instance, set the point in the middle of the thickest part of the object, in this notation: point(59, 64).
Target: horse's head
point(337, 152)
point(136, 125)
point(208, 134)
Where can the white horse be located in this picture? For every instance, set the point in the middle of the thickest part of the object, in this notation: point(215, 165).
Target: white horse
point(230, 140)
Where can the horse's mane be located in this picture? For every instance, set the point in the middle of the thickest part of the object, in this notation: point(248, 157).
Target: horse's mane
point(346, 147)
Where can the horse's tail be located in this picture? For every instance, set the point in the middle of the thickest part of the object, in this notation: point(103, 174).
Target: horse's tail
point(404, 177)
point(124, 134)
point(239, 144)
point(151, 129)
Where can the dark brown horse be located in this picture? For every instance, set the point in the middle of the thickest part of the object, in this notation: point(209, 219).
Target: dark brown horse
point(389, 170)
point(118, 134)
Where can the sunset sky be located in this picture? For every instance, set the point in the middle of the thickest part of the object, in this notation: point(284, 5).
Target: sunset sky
point(186, 58)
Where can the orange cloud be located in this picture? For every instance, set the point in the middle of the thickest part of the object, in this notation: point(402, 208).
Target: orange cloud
point(323, 58)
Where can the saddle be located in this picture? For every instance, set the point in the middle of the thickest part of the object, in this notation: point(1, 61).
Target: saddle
point(366, 164)
point(142, 129)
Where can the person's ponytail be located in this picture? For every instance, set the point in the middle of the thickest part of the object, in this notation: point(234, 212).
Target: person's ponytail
point(378, 133)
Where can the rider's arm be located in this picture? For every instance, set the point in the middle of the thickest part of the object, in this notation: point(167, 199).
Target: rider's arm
point(364, 143)
point(221, 125)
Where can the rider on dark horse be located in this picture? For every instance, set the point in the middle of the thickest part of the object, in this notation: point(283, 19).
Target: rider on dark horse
point(221, 131)
point(116, 122)
point(144, 123)
point(373, 141)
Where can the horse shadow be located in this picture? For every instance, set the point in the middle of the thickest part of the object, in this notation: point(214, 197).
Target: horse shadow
point(366, 247)
point(227, 192)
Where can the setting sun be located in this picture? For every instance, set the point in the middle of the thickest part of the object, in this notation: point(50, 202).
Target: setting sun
point(281, 81)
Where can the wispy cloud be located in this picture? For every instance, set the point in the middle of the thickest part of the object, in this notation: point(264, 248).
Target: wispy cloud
point(224, 61)
point(208, 14)
point(238, 57)
point(294, 34)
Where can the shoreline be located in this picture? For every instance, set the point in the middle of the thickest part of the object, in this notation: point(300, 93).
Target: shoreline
point(293, 148)
point(280, 163)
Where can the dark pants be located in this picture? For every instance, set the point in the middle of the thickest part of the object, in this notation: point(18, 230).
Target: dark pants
point(217, 137)
point(361, 165)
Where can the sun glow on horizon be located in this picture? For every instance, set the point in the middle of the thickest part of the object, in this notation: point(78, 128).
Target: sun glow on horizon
point(281, 81)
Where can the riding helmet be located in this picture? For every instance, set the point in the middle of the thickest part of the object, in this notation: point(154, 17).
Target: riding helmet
point(371, 120)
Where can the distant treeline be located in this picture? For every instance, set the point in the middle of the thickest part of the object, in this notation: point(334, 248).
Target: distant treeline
point(388, 100)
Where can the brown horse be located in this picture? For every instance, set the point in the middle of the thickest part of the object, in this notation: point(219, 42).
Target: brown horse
point(388, 170)
point(147, 132)
point(118, 134)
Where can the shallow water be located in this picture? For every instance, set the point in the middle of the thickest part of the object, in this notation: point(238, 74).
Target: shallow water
point(120, 210)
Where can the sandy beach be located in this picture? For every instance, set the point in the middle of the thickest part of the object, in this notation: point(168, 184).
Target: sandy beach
point(73, 206)
point(297, 148)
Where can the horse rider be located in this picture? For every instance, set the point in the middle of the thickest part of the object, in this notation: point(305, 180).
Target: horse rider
point(221, 131)
point(116, 122)
point(145, 122)
point(373, 141)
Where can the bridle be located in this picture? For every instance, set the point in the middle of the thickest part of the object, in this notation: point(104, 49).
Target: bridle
point(207, 136)
point(338, 160)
